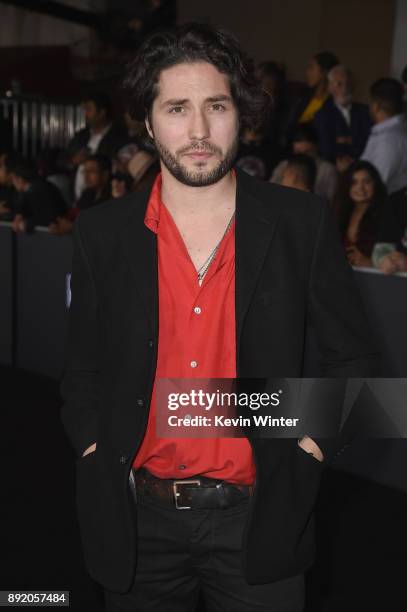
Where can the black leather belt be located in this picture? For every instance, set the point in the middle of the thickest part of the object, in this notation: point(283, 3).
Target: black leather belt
point(197, 493)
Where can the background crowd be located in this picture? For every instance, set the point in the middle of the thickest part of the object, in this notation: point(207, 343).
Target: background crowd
point(354, 155)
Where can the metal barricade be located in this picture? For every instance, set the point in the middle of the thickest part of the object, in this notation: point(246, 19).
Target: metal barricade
point(40, 124)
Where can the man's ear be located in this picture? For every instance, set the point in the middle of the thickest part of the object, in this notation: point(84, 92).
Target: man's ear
point(148, 128)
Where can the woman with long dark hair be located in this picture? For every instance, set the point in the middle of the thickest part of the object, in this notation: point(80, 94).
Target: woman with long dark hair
point(359, 203)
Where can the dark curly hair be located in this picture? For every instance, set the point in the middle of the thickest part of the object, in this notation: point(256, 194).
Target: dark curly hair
point(195, 42)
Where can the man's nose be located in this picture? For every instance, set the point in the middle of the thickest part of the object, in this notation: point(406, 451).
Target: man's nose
point(199, 126)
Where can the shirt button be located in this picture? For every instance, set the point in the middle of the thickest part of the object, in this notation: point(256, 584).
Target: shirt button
point(123, 460)
point(197, 310)
point(182, 467)
point(194, 364)
point(140, 402)
point(150, 343)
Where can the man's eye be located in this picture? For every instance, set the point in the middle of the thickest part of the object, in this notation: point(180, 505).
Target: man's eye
point(176, 109)
point(218, 107)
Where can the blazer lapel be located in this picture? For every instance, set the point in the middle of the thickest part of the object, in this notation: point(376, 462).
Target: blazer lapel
point(256, 221)
point(139, 245)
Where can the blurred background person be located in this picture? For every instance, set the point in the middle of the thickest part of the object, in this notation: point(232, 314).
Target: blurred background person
point(257, 155)
point(305, 142)
point(137, 140)
point(101, 135)
point(39, 202)
point(273, 80)
point(299, 173)
point(307, 106)
point(386, 147)
point(97, 174)
point(143, 167)
point(359, 204)
point(97, 171)
point(121, 184)
point(49, 168)
point(343, 125)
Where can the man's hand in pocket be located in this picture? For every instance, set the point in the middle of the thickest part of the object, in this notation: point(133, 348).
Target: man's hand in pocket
point(309, 446)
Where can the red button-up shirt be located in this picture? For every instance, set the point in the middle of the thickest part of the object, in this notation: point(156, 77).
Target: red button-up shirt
point(196, 340)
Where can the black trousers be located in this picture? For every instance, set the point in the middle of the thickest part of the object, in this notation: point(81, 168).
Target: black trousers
point(185, 555)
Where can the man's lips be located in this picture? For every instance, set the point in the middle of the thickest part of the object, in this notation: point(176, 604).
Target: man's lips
point(199, 155)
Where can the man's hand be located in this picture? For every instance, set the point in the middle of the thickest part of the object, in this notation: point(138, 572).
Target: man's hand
point(18, 224)
point(309, 446)
point(393, 262)
point(356, 258)
point(90, 449)
point(60, 226)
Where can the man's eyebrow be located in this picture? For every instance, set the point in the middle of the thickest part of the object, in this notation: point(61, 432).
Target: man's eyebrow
point(175, 102)
point(219, 98)
point(181, 101)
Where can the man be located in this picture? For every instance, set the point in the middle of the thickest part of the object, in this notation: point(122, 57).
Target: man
point(209, 275)
point(101, 135)
point(97, 172)
point(387, 145)
point(343, 125)
point(305, 142)
point(39, 202)
point(121, 184)
point(256, 154)
point(299, 172)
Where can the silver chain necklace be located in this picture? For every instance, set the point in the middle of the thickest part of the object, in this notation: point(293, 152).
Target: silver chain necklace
point(205, 267)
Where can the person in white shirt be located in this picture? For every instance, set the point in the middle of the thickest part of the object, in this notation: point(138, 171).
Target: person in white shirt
point(386, 147)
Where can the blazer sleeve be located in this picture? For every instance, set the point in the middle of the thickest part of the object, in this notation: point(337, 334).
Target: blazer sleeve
point(80, 383)
point(335, 309)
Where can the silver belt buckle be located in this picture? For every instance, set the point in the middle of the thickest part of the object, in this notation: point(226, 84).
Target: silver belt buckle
point(177, 494)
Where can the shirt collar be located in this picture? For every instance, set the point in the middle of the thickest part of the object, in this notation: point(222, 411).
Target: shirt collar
point(342, 108)
point(152, 216)
point(388, 124)
point(153, 211)
point(101, 133)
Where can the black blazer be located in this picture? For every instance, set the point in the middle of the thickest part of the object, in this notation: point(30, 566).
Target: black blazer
point(111, 142)
point(290, 268)
point(41, 204)
point(331, 125)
